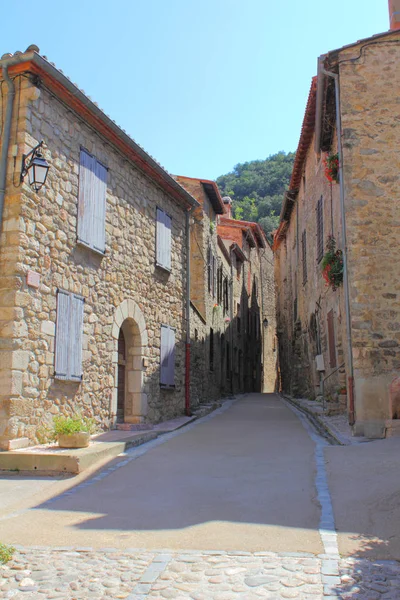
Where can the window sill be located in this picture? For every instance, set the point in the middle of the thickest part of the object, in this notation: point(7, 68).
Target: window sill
point(167, 388)
point(95, 250)
point(166, 269)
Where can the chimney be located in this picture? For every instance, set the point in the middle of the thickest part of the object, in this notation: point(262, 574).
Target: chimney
point(228, 206)
point(394, 14)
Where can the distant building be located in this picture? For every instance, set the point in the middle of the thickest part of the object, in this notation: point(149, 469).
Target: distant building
point(344, 339)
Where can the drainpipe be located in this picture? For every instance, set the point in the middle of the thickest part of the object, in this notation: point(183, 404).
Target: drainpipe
point(231, 320)
point(6, 138)
point(187, 345)
point(335, 77)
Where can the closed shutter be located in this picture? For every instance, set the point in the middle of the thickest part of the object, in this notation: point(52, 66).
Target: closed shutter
point(99, 208)
point(159, 236)
point(75, 337)
point(61, 341)
point(320, 229)
point(163, 239)
point(209, 268)
point(171, 357)
point(167, 241)
point(68, 342)
point(85, 197)
point(331, 339)
point(164, 355)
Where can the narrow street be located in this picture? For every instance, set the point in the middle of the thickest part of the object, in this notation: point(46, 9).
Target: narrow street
point(235, 505)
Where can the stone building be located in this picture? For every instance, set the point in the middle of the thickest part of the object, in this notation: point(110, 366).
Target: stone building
point(253, 318)
point(232, 300)
point(209, 283)
point(93, 266)
point(345, 342)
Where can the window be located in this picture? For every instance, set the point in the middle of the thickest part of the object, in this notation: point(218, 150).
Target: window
point(295, 310)
point(238, 318)
point(214, 276)
point(68, 343)
point(167, 366)
point(331, 339)
point(211, 350)
point(225, 296)
point(209, 268)
point(304, 254)
point(219, 284)
point(320, 229)
point(91, 227)
point(163, 242)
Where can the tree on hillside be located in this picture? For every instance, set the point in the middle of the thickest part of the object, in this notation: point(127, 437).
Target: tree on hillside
point(257, 188)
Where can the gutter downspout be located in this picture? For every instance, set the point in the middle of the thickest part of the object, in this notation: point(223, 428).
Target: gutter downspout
point(231, 321)
point(6, 138)
point(335, 77)
point(187, 345)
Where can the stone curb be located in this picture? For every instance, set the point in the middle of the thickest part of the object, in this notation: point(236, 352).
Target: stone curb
point(315, 421)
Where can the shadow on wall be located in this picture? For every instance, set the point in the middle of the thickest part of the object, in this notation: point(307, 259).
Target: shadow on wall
point(231, 361)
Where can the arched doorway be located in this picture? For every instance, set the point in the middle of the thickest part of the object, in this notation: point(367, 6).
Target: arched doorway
point(121, 377)
point(129, 400)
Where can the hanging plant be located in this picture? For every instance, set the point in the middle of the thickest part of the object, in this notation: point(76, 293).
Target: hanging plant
point(332, 264)
point(331, 164)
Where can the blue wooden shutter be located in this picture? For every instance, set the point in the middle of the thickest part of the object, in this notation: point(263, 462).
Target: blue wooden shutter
point(171, 356)
point(167, 241)
point(85, 197)
point(159, 237)
point(61, 341)
point(99, 208)
point(75, 337)
point(164, 355)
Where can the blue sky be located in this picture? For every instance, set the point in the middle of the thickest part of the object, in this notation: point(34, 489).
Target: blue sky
point(201, 85)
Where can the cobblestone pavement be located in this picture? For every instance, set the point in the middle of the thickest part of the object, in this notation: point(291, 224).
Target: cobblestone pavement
point(139, 574)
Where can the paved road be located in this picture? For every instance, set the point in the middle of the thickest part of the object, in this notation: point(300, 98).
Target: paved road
point(233, 507)
point(241, 480)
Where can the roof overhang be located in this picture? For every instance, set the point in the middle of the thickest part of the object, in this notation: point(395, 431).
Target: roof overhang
point(54, 80)
point(214, 196)
point(236, 249)
point(223, 248)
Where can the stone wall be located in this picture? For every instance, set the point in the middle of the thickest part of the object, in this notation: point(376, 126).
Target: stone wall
point(303, 303)
point(39, 235)
point(371, 127)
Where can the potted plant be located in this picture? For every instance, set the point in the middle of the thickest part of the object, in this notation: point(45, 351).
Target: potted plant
point(332, 264)
point(73, 432)
point(331, 164)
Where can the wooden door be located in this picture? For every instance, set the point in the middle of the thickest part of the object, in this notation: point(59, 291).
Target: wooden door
point(121, 377)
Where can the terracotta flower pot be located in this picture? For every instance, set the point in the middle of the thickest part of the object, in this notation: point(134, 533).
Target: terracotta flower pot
point(74, 440)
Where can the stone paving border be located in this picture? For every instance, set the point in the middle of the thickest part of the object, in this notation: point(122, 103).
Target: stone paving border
point(332, 437)
point(327, 529)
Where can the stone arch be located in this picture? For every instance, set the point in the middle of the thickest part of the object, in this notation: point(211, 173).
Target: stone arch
point(130, 319)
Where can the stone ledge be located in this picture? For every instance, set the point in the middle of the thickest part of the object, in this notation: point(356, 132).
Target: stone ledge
point(70, 461)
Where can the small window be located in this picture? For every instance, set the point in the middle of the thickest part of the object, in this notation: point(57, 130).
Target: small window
point(167, 366)
point(295, 310)
point(238, 318)
point(91, 223)
point(209, 268)
point(320, 229)
point(164, 223)
point(68, 342)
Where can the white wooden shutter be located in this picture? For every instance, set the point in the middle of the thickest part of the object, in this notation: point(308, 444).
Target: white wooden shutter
point(99, 207)
point(75, 337)
point(167, 241)
point(85, 197)
point(171, 356)
point(164, 355)
point(61, 341)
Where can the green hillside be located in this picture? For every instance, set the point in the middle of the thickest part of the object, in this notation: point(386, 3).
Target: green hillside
point(257, 188)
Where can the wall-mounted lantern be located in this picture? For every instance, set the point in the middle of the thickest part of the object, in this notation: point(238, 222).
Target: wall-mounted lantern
point(36, 167)
point(265, 322)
